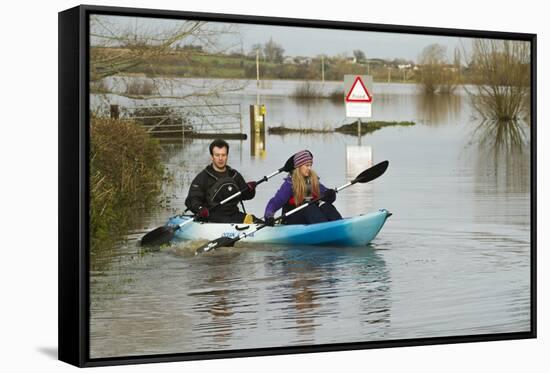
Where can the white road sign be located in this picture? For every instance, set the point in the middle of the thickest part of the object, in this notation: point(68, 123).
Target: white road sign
point(358, 96)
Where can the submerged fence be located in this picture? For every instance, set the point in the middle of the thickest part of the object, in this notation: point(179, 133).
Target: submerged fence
point(181, 121)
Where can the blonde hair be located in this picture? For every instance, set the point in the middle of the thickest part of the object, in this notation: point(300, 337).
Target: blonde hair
point(299, 186)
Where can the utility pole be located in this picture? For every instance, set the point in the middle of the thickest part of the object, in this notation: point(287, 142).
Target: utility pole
point(323, 68)
point(258, 77)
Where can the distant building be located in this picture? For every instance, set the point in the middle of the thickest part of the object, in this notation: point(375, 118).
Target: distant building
point(302, 60)
point(451, 68)
point(289, 60)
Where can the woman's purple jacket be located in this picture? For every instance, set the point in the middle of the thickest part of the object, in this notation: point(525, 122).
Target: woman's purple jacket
point(283, 195)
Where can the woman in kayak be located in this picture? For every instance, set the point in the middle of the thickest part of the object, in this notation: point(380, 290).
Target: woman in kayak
point(301, 186)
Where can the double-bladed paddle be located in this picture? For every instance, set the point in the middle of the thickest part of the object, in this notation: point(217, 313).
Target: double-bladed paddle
point(164, 234)
point(364, 177)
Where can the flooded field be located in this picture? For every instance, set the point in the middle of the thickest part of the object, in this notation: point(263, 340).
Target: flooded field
point(454, 259)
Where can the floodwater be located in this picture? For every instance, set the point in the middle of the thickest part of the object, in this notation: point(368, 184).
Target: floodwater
point(454, 259)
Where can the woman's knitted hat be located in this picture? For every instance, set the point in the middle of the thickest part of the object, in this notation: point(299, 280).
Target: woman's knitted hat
point(302, 157)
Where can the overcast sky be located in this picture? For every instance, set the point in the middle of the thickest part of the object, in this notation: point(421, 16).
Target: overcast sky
point(299, 41)
point(311, 42)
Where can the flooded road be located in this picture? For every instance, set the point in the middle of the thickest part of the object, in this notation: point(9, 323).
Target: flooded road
point(454, 259)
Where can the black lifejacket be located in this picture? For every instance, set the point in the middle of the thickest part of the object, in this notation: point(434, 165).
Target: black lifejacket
point(222, 188)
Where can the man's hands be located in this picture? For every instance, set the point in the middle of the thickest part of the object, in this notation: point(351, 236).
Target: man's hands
point(251, 185)
point(203, 213)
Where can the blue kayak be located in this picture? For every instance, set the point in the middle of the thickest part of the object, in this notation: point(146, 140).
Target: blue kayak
point(354, 231)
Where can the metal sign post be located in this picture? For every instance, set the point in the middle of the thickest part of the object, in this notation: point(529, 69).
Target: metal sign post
point(359, 130)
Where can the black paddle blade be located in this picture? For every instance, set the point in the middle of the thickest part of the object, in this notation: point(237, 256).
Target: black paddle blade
point(218, 242)
point(159, 236)
point(372, 173)
point(289, 165)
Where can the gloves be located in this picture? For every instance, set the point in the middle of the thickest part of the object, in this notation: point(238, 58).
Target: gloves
point(203, 213)
point(251, 185)
point(329, 196)
point(269, 221)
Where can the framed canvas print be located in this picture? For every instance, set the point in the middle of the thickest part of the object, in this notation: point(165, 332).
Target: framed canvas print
point(236, 186)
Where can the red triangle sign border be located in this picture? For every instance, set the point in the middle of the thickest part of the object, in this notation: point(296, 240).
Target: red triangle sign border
point(358, 79)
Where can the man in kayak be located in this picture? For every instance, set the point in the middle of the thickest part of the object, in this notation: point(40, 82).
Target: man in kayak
point(214, 184)
point(301, 186)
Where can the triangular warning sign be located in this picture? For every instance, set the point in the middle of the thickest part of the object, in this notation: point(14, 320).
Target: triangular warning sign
point(358, 92)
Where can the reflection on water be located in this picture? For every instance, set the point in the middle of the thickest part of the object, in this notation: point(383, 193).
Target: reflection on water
point(503, 155)
point(215, 300)
point(503, 135)
point(453, 259)
point(242, 297)
point(439, 109)
point(328, 286)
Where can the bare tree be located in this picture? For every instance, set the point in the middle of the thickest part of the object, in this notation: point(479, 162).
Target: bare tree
point(273, 52)
point(436, 75)
point(359, 55)
point(457, 61)
point(115, 50)
point(117, 47)
point(120, 45)
point(432, 61)
point(501, 77)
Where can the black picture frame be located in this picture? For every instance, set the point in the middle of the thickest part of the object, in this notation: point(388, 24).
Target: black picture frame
point(74, 184)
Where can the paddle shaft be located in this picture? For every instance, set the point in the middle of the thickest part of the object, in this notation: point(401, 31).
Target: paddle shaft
point(263, 179)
